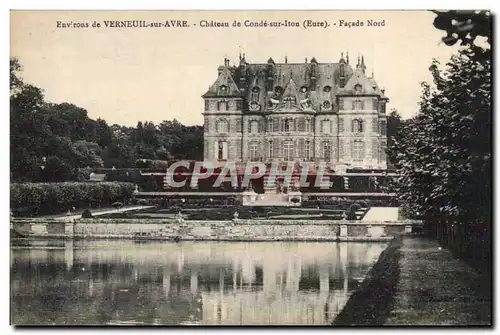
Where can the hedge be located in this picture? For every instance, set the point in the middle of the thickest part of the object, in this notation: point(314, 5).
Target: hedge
point(55, 197)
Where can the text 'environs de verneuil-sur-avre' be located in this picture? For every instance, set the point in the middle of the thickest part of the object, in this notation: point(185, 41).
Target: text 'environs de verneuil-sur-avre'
point(307, 23)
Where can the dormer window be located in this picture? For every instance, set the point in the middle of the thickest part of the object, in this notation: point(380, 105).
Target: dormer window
point(278, 90)
point(303, 89)
point(255, 93)
point(327, 104)
point(254, 106)
point(327, 89)
point(358, 88)
point(223, 89)
point(290, 99)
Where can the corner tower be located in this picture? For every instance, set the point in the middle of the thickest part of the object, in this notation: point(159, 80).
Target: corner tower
point(223, 117)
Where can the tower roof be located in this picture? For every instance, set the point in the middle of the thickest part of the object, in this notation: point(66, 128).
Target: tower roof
point(294, 79)
point(225, 79)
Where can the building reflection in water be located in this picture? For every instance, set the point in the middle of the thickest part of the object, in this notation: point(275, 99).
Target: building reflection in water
point(206, 283)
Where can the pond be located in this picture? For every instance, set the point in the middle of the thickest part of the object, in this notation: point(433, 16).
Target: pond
point(189, 283)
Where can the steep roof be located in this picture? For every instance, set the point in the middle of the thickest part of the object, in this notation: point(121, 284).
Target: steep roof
point(368, 85)
point(294, 79)
point(225, 79)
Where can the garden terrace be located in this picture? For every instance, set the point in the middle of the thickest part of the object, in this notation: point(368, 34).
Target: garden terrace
point(333, 212)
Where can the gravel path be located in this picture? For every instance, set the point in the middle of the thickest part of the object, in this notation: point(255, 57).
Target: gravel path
point(435, 288)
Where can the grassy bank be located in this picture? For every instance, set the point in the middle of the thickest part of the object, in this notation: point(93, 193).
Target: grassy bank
point(371, 303)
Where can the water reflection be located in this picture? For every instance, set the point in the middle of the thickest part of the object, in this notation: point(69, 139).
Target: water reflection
point(103, 282)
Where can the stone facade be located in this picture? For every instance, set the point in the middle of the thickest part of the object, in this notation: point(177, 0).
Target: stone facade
point(296, 112)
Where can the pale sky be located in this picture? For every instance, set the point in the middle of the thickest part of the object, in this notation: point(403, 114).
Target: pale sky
point(125, 75)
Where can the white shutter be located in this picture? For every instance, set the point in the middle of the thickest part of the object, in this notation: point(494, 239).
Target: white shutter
point(224, 150)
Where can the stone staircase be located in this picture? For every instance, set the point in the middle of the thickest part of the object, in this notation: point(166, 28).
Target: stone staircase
point(271, 200)
point(382, 214)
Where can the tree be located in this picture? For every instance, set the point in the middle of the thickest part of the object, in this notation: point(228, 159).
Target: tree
point(64, 133)
point(393, 124)
point(443, 154)
point(463, 25)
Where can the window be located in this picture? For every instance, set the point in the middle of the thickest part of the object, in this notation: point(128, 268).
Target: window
point(383, 127)
point(375, 104)
point(382, 107)
point(207, 104)
point(255, 93)
point(327, 105)
point(327, 89)
point(254, 151)
point(276, 124)
point(358, 105)
point(223, 90)
point(326, 126)
point(221, 150)
point(270, 149)
point(357, 126)
point(222, 126)
point(307, 125)
point(288, 150)
point(342, 70)
point(303, 89)
point(342, 82)
point(341, 103)
point(327, 150)
point(288, 125)
point(290, 99)
point(220, 153)
point(270, 125)
point(254, 127)
point(358, 151)
point(358, 88)
point(307, 150)
point(222, 105)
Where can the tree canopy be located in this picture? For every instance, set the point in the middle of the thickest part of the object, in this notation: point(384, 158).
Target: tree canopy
point(54, 142)
point(443, 154)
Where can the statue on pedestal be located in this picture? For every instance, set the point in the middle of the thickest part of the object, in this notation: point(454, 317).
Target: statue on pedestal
point(180, 218)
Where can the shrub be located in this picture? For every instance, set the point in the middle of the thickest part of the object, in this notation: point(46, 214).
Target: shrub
point(351, 212)
point(142, 202)
point(57, 197)
point(363, 203)
point(117, 205)
point(86, 214)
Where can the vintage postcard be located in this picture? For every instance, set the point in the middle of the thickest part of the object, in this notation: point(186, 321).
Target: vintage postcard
point(194, 168)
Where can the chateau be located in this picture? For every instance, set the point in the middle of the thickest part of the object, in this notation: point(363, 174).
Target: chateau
point(309, 111)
